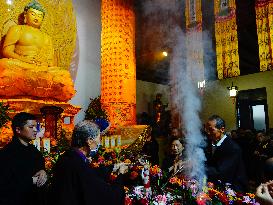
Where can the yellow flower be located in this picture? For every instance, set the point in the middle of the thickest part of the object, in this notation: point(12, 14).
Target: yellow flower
point(127, 161)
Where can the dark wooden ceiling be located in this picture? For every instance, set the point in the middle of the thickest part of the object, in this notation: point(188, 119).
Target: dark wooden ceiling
point(153, 36)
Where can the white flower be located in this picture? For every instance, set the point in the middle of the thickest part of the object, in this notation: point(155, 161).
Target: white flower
point(247, 199)
point(230, 192)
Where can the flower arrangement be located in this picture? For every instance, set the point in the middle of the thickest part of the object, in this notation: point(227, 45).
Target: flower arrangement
point(228, 196)
point(161, 190)
point(50, 160)
point(181, 190)
point(58, 147)
point(108, 156)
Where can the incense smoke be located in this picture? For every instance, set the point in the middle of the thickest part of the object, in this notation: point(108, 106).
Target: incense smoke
point(185, 71)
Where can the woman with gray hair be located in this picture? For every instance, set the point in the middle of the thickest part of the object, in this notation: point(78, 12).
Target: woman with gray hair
point(75, 182)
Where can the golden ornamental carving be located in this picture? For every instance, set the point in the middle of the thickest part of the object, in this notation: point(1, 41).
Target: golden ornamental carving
point(118, 64)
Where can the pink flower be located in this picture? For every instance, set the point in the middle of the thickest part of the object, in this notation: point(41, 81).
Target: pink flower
point(161, 199)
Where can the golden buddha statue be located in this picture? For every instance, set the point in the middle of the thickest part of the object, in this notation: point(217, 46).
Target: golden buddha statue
point(28, 68)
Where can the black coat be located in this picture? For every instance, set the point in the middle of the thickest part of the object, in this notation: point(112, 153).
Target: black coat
point(19, 164)
point(168, 161)
point(75, 183)
point(151, 149)
point(227, 165)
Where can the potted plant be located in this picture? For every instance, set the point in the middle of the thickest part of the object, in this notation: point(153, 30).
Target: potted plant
point(96, 113)
point(4, 117)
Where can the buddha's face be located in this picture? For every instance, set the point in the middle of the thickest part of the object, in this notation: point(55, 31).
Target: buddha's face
point(34, 17)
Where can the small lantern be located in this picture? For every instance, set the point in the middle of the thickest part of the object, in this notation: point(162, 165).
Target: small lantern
point(233, 90)
point(201, 86)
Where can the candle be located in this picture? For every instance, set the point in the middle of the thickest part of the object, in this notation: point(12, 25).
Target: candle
point(113, 141)
point(102, 141)
point(118, 140)
point(106, 142)
point(46, 144)
point(37, 143)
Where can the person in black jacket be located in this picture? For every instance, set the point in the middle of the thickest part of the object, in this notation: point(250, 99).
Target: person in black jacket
point(226, 163)
point(22, 172)
point(75, 182)
point(151, 148)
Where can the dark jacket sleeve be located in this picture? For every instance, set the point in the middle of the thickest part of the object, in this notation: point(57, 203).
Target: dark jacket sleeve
point(13, 183)
point(61, 190)
point(97, 191)
point(76, 183)
point(167, 163)
point(104, 172)
point(39, 159)
point(225, 167)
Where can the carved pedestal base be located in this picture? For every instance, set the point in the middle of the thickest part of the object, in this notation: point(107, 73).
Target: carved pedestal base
point(51, 115)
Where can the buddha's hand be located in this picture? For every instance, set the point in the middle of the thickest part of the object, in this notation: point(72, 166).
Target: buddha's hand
point(32, 60)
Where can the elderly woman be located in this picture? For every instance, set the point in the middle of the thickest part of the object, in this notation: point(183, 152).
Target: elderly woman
point(174, 160)
point(74, 182)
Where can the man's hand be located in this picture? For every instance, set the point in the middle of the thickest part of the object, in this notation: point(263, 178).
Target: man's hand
point(34, 180)
point(270, 187)
point(263, 194)
point(121, 168)
point(42, 178)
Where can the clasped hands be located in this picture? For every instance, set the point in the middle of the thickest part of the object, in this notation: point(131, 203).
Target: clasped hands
point(121, 168)
point(40, 178)
point(178, 164)
point(264, 193)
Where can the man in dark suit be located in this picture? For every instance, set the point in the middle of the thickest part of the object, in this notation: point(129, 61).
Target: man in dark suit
point(22, 172)
point(226, 162)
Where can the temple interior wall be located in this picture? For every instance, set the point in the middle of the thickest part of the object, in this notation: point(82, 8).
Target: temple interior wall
point(87, 82)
